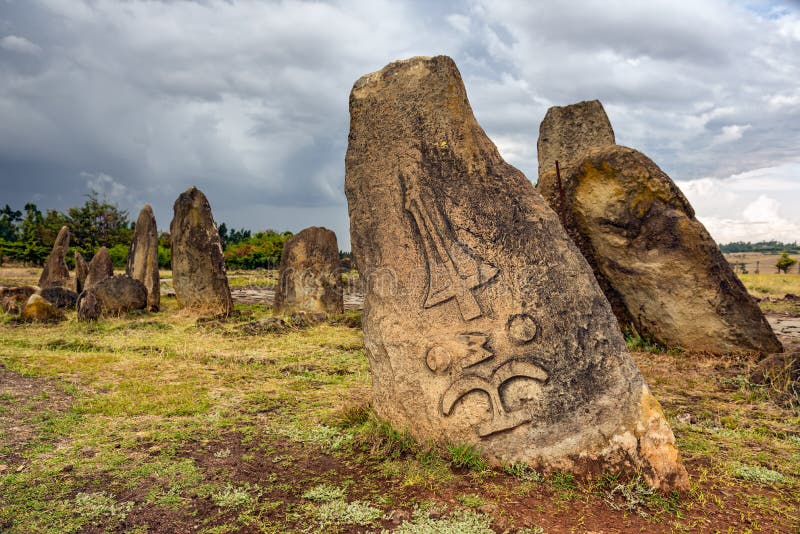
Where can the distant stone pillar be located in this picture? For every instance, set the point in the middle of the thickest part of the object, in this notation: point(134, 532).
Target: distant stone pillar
point(143, 257)
point(198, 268)
point(310, 278)
point(56, 272)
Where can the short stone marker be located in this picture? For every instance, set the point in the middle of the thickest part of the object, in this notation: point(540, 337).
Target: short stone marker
point(56, 272)
point(658, 266)
point(37, 309)
point(309, 277)
point(100, 268)
point(143, 257)
point(198, 269)
point(112, 296)
point(482, 322)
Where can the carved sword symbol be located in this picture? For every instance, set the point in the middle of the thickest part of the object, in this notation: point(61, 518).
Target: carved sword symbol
point(457, 272)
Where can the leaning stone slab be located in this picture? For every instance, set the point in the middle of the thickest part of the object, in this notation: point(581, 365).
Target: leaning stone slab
point(198, 269)
point(658, 266)
point(100, 268)
point(56, 272)
point(143, 256)
point(482, 322)
point(310, 279)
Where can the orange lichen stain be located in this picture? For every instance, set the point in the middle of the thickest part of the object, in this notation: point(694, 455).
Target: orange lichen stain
point(663, 464)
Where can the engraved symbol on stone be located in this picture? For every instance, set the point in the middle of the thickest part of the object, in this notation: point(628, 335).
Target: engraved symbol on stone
point(453, 270)
point(473, 375)
point(438, 359)
point(522, 328)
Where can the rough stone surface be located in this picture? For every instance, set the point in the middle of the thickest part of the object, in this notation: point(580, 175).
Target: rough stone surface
point(117, 295)
point(100, 268)
point(60, 297)
point(143, 257)
point(310, 276)
point(39, 310)
point(567, 132)
point(81, 272)
point(13, 299)
point(198, 270)
point(656, 263)
point(482, 322)
point(56, 272)
point(89, 307)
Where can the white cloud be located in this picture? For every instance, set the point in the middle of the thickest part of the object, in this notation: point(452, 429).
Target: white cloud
point(730, 133)
point(19, 44)
point(106, 186)
point(752, 206)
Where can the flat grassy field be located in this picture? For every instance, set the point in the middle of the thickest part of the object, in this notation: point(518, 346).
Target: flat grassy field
point(158, 422)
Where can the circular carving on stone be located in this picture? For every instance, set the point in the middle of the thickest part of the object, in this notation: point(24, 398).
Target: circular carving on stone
point(438, 359)
point(522, 328)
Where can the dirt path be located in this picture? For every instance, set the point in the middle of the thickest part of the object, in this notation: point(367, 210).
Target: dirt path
point(264, 295)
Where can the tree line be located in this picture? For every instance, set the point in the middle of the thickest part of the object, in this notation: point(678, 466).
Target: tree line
point(27, 236)
point(767, 247)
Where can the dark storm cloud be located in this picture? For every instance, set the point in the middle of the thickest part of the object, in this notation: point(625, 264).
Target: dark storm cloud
point(248, 100)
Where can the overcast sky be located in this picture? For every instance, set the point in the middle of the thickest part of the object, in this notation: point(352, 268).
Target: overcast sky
point(248, 100)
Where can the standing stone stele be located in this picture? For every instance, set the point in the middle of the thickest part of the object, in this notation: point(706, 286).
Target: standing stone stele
point(658, 266)
point(482, 322)
point(100, 268)
point(310, 279)
point(56, 272)
point(143, 257)
point(81, 272)
point(198, 269)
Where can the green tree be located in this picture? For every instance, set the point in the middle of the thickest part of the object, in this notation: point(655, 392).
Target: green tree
point(9, 220)
point(98, 224)
point(785, 262)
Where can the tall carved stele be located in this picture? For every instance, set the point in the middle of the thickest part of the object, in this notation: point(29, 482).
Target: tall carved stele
point(198, 268)
point(143, 256)
point(482, 322)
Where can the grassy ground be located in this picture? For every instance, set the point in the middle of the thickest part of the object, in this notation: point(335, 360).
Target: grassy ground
point(772, 285)
point(161, 423)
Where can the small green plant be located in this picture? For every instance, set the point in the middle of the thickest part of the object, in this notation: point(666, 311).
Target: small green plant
point(461, 522)
point(339, 512)
point(222, 453)
point(235, 497)
point(523, 471)
point(564, 485)
point(755, 473)
point(471, 500)
point(466, 455)
point(324, 493)
point(101, 504)
point(637, 342)
point(382, 439)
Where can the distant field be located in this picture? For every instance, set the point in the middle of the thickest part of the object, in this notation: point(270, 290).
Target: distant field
point(764, 263)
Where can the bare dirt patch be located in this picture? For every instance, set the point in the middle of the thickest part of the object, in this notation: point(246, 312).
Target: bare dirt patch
point(24, 403)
